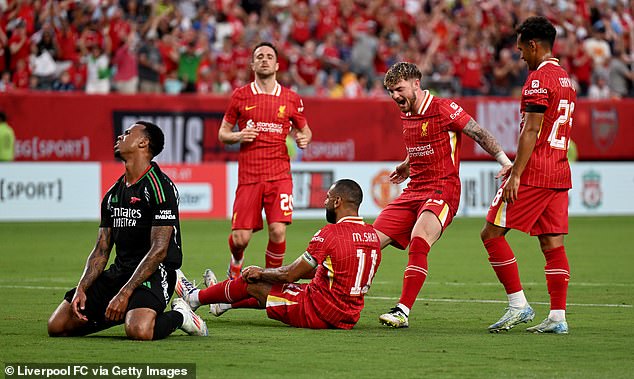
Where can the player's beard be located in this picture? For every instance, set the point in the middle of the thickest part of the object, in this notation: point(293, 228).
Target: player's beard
point(331, 216)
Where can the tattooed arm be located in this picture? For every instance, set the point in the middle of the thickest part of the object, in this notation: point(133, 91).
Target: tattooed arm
point(486, 140)
point(160, 237)
point(95, 265)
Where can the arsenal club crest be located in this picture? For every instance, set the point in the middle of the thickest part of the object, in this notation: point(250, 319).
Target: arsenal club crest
point(591, 194)
point(605, 125)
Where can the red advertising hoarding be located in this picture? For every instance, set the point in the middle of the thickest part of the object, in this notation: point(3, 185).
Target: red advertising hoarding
point(80, 127)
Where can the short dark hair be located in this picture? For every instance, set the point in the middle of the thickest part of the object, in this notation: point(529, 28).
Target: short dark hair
point(401, 71)
point(537, 28)
point(265, 43)
point(155, 135)
point(3, 116)
point(349, 190)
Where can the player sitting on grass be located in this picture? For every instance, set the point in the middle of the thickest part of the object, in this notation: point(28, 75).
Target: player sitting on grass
point(341, 258)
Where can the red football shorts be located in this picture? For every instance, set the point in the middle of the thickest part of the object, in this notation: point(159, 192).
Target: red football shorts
point(289, 304)
point(536, 211)
point(398, 218)
point(276, 198)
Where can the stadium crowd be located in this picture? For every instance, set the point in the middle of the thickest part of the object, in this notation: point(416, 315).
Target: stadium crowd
point(327, 48)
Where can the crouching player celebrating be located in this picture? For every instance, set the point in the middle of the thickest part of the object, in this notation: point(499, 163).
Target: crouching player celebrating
point(342, 259)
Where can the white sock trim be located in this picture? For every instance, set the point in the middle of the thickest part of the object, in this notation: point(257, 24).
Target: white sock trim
point(404, 309)
point(517, 299)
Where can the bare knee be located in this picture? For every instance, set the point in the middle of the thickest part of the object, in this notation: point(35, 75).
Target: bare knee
point(56, 327)
point(490, 231)
point(139, 332)
point(241, 238)
point(59, 324)
point(139, 324)
point(277, 232)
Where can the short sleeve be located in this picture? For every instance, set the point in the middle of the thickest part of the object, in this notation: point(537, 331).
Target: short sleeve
point(297, 117)
point(163, 203)
point(457, 116)
point(233, 110)
point(317, 246)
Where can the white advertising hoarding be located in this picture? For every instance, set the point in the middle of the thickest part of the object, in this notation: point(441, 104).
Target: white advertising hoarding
point(599, 188)
point(49, 191)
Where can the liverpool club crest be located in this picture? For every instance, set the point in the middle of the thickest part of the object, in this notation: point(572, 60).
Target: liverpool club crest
point(591, 194)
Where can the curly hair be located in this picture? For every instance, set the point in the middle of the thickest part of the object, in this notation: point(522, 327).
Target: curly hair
point(401, 71)
point(537, 28)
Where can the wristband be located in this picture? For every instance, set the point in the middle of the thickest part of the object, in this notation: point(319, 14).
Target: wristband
point(503, 159)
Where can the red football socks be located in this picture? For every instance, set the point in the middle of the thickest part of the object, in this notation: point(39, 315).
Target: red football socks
point(250, 302)
point(557, 273)
point(229, 291)
point(415, 272)
point(275, 254)
point(504, 264)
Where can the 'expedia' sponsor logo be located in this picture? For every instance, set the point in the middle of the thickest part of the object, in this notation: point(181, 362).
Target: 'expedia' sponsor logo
point(456, 113)
point(165, 214)
point(529, 92)
point(317, 237)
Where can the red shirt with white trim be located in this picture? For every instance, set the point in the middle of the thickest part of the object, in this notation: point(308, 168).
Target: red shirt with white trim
point(432, 140)
point(549, 86)
point(266, 158)
point(347, 255)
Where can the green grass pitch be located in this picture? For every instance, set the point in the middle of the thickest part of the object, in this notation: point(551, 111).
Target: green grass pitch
point(447, 336)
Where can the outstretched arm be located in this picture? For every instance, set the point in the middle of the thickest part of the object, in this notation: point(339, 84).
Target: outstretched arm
point(95, 265)
point(486, 140)
point(300, 269)
point(160, 236)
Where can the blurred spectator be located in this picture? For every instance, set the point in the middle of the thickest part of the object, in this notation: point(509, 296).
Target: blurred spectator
point(64, 83)
point(7, 140)
point(98, 71)
point(19, 44)
point(21, 75)
point(305, 70)
point(506, 74)
point(597, 47)
point(173, 86)
point(619, 74)
point(599, 89)
point(188, 63)
point(150, 66)
point(5, 82)
point(126, 72)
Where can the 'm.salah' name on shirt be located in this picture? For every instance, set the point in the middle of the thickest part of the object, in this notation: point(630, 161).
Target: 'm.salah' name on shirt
point(420, 151)
point(270, 127)
point(365, 237)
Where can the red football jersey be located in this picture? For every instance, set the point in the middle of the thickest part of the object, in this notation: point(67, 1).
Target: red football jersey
point(432, 139)
point(549, 86)
point(348, 254)
point(266, 158)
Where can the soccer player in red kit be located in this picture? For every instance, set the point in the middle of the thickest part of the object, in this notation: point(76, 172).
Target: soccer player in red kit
point(432, 128)
point(265, 113)
point(534, 197)
point(341, 259)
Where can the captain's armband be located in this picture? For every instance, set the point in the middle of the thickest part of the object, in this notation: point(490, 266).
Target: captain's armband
point(309, 259)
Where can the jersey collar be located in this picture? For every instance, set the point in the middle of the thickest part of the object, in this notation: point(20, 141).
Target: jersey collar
point(255, 88)
point(352, 219)
point(427, 98)
point(554, 61)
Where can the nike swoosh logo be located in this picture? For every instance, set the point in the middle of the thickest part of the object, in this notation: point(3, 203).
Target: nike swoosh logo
point(288, 213)
point(248, 108)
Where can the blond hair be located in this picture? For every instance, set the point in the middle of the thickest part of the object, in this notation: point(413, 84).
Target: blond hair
point(401, 71)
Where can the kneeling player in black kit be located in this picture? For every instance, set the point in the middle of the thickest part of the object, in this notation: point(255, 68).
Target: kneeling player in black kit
point(139, 215)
